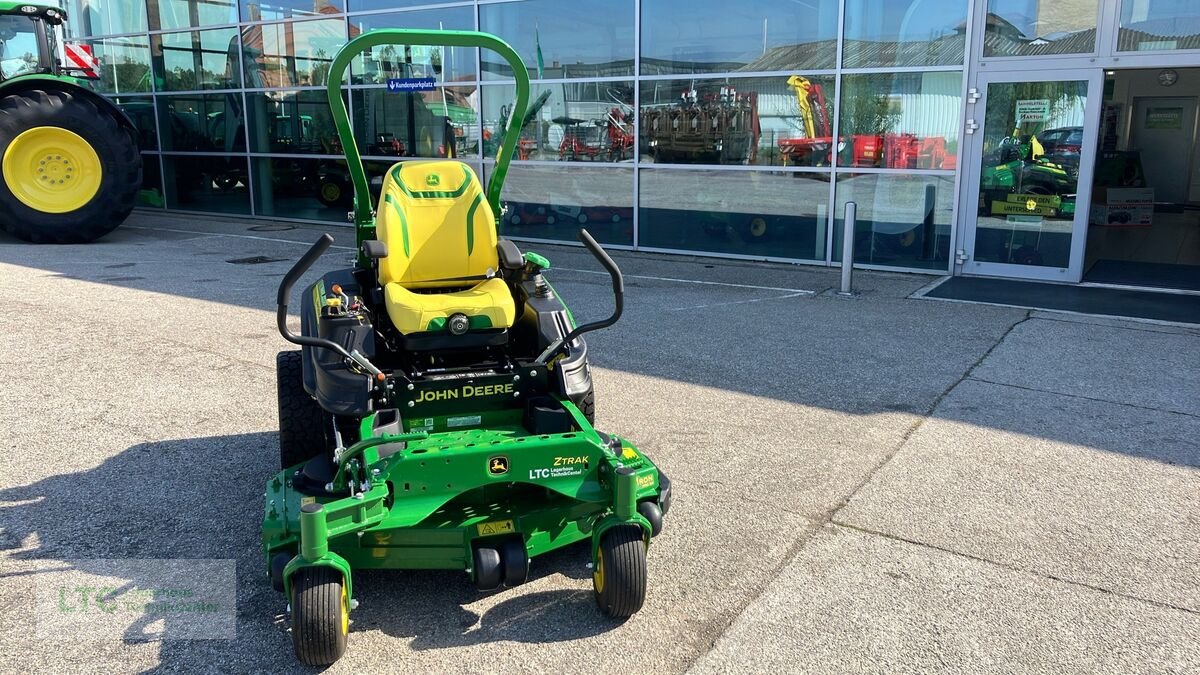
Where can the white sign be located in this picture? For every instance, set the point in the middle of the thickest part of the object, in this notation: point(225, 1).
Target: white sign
point(1033, 110)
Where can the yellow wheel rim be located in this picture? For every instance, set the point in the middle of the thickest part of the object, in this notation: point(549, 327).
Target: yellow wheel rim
point(598, 575)
point(758, 227)
point(345, 612)
point(52, 170)
point(331, 192)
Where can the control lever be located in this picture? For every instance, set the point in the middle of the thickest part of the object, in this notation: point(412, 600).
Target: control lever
point(618, 284)
point(281, 312)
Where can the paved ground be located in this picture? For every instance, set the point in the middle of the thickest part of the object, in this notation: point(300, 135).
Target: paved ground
point(874, 483)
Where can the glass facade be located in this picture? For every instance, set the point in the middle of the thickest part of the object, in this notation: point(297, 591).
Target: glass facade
point(736, 129)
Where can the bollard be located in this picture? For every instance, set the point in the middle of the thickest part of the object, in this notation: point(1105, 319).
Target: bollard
point(848, 226)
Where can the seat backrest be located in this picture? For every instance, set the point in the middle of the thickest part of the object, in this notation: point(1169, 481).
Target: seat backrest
point(437, 224)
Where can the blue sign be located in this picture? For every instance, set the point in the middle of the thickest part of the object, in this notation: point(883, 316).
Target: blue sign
point(411, 84)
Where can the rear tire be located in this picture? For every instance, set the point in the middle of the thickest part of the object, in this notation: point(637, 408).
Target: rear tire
point(619, 580)
point(301, 419)
point(115, 146)
point(587, 406)
point(320, 616)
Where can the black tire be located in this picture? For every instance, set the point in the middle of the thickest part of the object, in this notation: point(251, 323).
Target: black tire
point(489, 571)
point(587, 406)
point(619, 580)
point(515, 561)
point(115, 144)
point(301, 420)
point(319, 616)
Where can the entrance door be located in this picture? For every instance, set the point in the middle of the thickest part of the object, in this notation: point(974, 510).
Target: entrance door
point(1164, 130)
point(1025, 197)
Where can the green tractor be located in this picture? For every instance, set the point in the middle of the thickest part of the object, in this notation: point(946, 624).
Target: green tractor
point(440, 414)
point(70, 157)
point(1016, 173)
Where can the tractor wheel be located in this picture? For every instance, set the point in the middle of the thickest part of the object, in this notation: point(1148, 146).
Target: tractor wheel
point(619, 579)
point(301, 420)
point(320, 616)
point(587, 406)
point(334, 193)
point(71, 170)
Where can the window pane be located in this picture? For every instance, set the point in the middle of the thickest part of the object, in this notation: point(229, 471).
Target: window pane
point(292, 54)
point(202, 123)
point(291, 121)
point(758, 213)
point(140, 110)
point(546, 202)
point(124, 64)
point(274, 10)
point(207, 184)
point(904, 33)
point(293, 188)
point(441, 63)
point(1148, 25)
point(1036, 27)
point(197, 60)
point(110, 17)
point(364, 5)
point(439, 123)
point(707, 36)
point(169, 14)
point(901, 121)
point(151, 194)
point(759, 120)
point(903, 221)
point(583, 38)
point(575, 121)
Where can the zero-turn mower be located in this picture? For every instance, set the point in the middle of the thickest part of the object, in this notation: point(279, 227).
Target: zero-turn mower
point(440, 411)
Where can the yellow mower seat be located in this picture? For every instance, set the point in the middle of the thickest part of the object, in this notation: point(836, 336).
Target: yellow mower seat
point(441, 257)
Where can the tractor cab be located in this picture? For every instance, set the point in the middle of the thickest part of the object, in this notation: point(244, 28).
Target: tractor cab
point(27, 40)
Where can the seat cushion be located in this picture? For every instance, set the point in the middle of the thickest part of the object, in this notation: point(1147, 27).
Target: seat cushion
point(488, 304)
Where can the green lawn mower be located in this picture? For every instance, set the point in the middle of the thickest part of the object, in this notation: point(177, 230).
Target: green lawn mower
point(440, 412)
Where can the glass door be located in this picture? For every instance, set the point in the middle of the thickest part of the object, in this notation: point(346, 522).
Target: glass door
point(1025, 198)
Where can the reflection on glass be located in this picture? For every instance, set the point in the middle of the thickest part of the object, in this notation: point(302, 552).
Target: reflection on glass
point(1149, 25)
point(904, 33)
point(291, 54)
point(900, 121)
point(124, 64)
point(196, 60)
point(903, 221)
point(779, 121)
point(169, 14)
point(707, 36)
point(1027, 187)
point(291, 122)
point(756, 213)
point(111, 17)
point(573, 121)
point(140, 111)
point(1037, 27)
point(208, 183)
point(365, 5)
point(546, 202)
point(584, 38)
point(151, 194)
point(274, 10)
point(439, 123)
point(313, 189)
point(444, 64)
point(202, 122)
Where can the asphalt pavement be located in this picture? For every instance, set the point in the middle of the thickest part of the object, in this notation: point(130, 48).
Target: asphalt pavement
point(876, 483)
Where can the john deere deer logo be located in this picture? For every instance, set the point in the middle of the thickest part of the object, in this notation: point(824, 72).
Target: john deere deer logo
point(498, 465)
point(433, 180)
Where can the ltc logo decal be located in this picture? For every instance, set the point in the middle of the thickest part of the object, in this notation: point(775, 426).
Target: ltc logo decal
point(433, 180)
point(498, 465)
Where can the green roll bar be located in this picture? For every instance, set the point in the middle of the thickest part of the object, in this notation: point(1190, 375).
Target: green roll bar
point(364, 223)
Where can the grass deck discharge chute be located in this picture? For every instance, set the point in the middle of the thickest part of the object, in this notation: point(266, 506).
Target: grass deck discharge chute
point(440, 412)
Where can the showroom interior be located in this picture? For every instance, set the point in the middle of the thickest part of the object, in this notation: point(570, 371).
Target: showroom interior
point(1018, 139)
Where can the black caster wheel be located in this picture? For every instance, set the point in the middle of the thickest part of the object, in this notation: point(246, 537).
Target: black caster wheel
point(619, 578)
point(278, 562)
point(488, 570)
point(320, 616)
point(652, 513)
point(515, 561)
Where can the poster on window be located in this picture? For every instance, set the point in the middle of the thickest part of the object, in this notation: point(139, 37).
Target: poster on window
point(1164, 118)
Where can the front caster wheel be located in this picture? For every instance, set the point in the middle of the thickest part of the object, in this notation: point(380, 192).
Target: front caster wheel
point(320, 616)
point(619, 580)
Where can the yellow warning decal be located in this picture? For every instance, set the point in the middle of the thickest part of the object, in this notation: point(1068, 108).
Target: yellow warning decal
point(307, 500)
point(496, 527)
